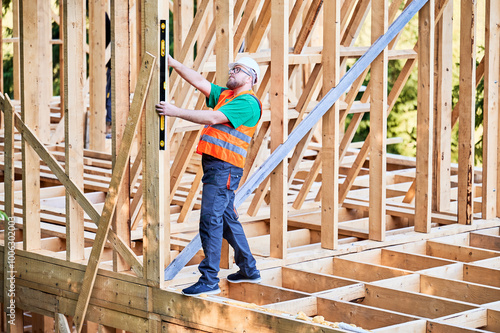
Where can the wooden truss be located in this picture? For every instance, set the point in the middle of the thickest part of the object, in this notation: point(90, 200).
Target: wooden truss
point(343, 232)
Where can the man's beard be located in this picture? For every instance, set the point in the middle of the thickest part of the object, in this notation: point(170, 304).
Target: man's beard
point(233, 83)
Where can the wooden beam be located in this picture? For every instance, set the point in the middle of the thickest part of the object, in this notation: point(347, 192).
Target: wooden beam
point(466, 126)
point(97, 75)
point(330, 127)
point(74, 78)
point(30, 108)
point(44, 50)
point(425, 123)
point(16, 32)
point(156, 163)
point(279, 105)
point(442, 110)
point(378, 125)
point(491, 147)
point(120, 109)
point(114, 188)
point(224, 44)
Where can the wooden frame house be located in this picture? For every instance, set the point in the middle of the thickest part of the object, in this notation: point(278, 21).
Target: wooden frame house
point(102, 234)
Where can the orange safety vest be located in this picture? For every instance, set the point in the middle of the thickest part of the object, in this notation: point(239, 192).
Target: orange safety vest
point(225, 142)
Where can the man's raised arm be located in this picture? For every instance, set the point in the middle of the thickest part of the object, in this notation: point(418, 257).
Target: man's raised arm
point(191, 76)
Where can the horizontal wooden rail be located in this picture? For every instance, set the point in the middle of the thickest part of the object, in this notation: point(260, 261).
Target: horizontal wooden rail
point(304, 127)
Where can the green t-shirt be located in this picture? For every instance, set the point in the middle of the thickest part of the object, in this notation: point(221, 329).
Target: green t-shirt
point(243, 110)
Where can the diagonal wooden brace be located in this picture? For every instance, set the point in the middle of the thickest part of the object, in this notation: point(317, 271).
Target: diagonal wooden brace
point(114, 188)
point(304, 126)
point(74, 190)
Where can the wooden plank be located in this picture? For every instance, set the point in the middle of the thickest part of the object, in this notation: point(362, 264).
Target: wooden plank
point(467, 92)
point(8, 155)
point(156, 201)
point(489, 242)
point(120, 108)
point(458, 290)
point(410, 303)
point(74, 78)
point(194, 191)
point(472, 318)
point(378, 125)
point(366, 318)
point(260, 27)
point(97, 75)
point(282, 151)
point(224, 40)
point(30, 107)
point(44, 51)
point(490, 198)
point(114, 189)
point(330, 128)
point(425, 123)
point(279, 104)
point(443, 109)
point(240, 32)
point(482, 275)
point(458, 253)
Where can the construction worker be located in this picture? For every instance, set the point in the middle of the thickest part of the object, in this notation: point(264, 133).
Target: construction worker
point(223, 145)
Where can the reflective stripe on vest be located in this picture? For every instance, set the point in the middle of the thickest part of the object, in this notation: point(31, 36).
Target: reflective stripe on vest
point(225, 142)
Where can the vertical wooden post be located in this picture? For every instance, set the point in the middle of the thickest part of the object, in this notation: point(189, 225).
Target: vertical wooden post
point(443, 109)
point(16, 70)
point(378, 126)
point(278, 93)
point(74, 78)
point(97, 75)
point(490, 188)
point(330, 151)
point(224, 54)
point(120, 107)
point(29, 109)
point(61, 58)
point(223, 38)
point(45, 68)
point(425, 128)
point(156, 164)
point(182, 20)
point(41, 323)
point(466, 113)
point(9, 200)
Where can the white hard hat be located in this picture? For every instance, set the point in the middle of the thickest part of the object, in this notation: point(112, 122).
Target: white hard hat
point(250, 64)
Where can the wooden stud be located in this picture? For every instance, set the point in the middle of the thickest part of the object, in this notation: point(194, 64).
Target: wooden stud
point(490, 197)
point(331, 130)
point(44, 51)
point(16, 68)
point(423, 196)
point(41, 323)
point(74, 78)
point(224, 40)
point(279, 105)
point(378, 126)
point(30, 107)
point(156, 199)
point(120, 108)
point(467, 92)
point(97, 75)
point(443, 108)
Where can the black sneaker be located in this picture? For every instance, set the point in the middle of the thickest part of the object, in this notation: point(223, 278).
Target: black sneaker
point(238, 277)
point(201, 288)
